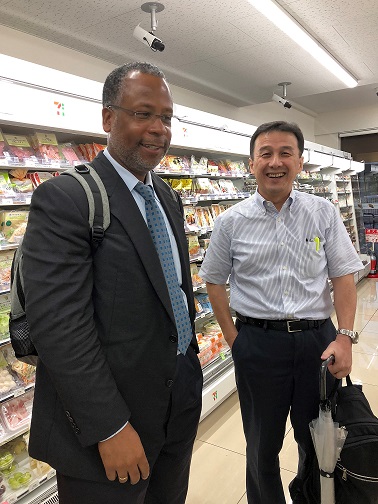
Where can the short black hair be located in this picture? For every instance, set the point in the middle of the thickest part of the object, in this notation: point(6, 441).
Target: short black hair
point(114, 80)
point(278, 126)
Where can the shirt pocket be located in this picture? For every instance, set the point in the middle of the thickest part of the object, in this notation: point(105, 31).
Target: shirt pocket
point(312, 260)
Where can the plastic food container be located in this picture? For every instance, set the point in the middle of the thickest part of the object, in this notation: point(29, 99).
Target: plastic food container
point(6, 459)
point(20, 479)
point(17, 412)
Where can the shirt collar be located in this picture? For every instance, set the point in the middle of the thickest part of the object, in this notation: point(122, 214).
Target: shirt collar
point(129, 179)
point(262, 202)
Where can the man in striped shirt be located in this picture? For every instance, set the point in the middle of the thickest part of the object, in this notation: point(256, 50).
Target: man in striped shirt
point(278, 248)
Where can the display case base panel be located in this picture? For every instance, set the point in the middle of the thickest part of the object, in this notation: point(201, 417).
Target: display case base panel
point(217, 391)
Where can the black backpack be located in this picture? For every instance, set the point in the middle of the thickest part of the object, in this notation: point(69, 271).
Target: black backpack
point(99, 220)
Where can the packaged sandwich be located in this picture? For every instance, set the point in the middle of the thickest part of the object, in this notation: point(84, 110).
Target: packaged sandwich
point(2, 144)
point(193, 247)
point(69, 154)
point(191, 224)
point(6, 189)
point(13, 224)
point(6, 257)
point(45, 145)
point(19, 148)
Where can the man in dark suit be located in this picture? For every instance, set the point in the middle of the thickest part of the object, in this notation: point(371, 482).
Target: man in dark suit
point(116, 404)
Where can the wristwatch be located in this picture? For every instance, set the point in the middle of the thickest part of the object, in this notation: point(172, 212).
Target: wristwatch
point(353, 335)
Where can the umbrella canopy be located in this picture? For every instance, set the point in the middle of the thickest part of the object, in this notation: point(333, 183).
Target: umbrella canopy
point(328, 439)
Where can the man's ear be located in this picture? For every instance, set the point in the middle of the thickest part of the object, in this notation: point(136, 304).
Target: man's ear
point(107, 117)
point(300, 168)
point(250, 163)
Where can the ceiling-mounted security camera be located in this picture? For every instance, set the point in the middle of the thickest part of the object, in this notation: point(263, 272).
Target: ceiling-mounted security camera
point(146, 37)
point(282, 99)
point(149, 39)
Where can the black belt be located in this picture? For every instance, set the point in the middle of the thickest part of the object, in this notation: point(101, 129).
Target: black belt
point(294, 325)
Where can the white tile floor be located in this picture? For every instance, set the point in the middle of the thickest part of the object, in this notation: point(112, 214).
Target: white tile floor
point(218, 467)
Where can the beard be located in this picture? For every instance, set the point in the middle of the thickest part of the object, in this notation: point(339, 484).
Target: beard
point(132, 160)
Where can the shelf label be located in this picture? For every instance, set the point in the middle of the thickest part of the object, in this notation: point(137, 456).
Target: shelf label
point(215, 395)
point(19, 391)
point(7, 201)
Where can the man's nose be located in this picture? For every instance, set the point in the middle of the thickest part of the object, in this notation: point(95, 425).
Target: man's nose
point(275, 160)
point(156, 125)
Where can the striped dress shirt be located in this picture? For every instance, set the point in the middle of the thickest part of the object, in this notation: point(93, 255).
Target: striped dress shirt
point(278, 263)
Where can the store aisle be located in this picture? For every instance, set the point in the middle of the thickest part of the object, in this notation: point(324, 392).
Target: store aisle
point(218, 468)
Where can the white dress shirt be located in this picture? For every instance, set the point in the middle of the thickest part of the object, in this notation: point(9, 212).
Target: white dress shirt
point(279, 262)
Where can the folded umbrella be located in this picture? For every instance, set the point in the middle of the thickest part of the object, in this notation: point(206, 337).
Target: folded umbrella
point(328, 439)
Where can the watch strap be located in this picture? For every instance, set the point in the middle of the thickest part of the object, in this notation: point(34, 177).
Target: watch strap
point(353, 335)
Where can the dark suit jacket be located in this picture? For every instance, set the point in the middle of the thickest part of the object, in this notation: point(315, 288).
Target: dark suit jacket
point(102, 323)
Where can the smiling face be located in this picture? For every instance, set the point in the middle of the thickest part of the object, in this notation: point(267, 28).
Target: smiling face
point(275, 164)
point(139, 145)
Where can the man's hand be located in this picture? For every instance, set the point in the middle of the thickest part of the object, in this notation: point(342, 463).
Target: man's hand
point(123, 455)
point(341, 348)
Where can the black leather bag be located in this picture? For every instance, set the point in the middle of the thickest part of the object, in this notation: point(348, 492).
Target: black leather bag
point(356, 473)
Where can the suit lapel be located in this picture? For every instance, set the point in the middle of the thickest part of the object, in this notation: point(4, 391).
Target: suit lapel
point(124, 208)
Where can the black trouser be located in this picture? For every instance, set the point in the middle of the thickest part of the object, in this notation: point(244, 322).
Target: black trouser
point(277, 373)
point(168, 481)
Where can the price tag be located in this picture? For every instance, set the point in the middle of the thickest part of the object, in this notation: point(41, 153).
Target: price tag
point(222, 356)
point(3, 162)
point(7, 201)
point(18, 392)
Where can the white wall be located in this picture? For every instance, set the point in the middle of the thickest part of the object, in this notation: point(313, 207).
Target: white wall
point(265, 112)
point(346, 120)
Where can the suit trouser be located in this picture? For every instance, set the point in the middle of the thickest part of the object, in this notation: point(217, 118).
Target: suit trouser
point(277, 373)
point(169, 472)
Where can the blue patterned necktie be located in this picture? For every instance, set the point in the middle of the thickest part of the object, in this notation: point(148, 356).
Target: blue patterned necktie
point(160, 237)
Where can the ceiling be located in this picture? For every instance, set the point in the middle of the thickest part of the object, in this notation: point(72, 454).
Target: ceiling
point(224, 49)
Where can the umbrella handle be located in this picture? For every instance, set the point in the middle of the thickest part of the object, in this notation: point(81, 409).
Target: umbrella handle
point(323, 377)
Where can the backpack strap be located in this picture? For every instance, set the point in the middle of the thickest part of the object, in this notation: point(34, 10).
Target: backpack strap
point(98, 202)
point(17, 285)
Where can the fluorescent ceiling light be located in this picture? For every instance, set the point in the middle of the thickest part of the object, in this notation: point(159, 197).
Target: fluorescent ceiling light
point(25, 72)
point(294, 30)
